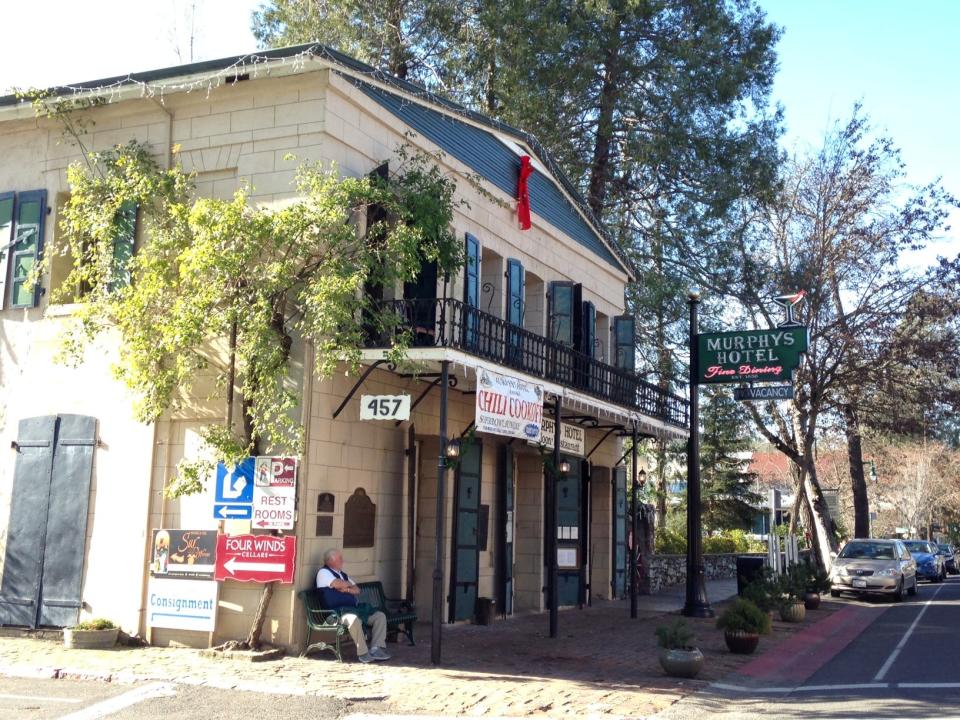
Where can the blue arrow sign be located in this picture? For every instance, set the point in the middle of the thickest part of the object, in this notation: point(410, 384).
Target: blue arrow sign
point(232, 512)
point(235, 487)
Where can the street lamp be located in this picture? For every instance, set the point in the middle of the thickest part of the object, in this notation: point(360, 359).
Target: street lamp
point(453, 450)
point(564, 467)
point(642, 477)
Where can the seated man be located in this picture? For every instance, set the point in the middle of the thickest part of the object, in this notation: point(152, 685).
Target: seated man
point(340, 593)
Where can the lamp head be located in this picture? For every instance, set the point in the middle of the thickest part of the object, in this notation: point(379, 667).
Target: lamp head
point(453, 449)
point(694, 294)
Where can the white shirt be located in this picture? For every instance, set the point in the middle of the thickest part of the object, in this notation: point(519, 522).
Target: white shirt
point(326, 577)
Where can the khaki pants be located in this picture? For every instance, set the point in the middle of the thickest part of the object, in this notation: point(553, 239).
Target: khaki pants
point(378, 630)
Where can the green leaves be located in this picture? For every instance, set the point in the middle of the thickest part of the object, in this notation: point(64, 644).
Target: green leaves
point(209, 266)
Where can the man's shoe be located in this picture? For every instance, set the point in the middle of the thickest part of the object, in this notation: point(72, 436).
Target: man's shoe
point(366, 658)
point(379, 654)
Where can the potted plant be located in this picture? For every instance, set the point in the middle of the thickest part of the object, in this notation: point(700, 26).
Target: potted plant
point(743, 623)
point(793, 589)
point(678, 656)
point(93, 634)
point(818, 581)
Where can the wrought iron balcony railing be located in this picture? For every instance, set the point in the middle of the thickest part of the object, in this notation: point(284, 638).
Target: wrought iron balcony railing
point(452, 323)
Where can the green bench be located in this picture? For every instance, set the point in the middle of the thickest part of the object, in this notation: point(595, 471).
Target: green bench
point(325, 623)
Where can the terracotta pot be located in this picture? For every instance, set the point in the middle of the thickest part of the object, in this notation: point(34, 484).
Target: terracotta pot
point(811, 601)
point(740, 642)
point(90, 639)
point(681, 663)
point(794, 612)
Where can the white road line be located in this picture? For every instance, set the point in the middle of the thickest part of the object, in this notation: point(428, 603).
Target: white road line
point(800, 688)
point(842, 686)
point(115, 704)
point(885, 668)
point(41, 698)
point(938, 686)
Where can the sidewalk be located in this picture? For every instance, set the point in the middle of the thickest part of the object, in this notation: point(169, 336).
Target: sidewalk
point(603, 664)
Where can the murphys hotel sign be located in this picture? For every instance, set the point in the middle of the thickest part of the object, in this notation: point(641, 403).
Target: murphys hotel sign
point(750, 355)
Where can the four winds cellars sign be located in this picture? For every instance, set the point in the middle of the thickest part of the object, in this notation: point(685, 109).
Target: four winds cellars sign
point(750, 355)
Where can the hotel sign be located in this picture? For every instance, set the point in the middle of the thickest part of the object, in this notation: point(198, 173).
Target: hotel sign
point(750, 355)
point(572, 437)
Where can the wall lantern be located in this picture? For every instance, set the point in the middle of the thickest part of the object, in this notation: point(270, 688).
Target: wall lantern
point(641, 477)
point(564, 467)
point(453, 449)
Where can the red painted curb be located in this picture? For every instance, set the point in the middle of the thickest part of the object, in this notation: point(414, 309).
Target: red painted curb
point(807, 651)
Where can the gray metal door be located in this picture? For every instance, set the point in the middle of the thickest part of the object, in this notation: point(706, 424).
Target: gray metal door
point(465, 573)
point(43, 566)
point(619, 576)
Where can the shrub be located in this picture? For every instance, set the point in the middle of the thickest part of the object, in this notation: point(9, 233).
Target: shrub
point(675, 636)
point(670, 542)
point(744, 616)
point(719, 544)
point(818, 580)
point(764, 592)
point(95, 624)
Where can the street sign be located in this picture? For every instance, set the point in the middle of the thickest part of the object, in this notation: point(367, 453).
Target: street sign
point(749, 355)
point(384, 407)
point(235, 487)
point(183, 554)
point(261, 489)
point(182, 604)
point(256, 558)
point(764, 392)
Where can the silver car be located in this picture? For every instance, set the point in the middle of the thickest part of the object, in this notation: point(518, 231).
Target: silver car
point(868, 566)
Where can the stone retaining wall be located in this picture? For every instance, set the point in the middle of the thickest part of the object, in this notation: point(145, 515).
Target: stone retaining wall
point(666, 570)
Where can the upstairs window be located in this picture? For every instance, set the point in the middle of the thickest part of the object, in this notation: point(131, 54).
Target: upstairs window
point(624, 342)
point(471, 272)
point(21, 244)
point(560, 310)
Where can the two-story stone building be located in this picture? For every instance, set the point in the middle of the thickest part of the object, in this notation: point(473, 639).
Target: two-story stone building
point(546, 306)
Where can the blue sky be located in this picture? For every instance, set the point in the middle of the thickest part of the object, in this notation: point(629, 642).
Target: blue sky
point(900, 58)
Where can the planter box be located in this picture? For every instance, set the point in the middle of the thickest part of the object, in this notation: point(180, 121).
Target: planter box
point(681, 663)
point(794, 612)
point(741, 643)
point(90, 639)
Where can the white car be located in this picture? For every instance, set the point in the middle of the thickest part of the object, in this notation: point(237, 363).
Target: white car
point(868, 566)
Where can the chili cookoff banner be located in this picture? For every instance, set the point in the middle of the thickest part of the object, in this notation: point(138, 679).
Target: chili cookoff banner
point(508, 406)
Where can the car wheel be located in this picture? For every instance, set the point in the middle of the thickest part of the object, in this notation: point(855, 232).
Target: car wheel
point(898, 593)
point(912, 590)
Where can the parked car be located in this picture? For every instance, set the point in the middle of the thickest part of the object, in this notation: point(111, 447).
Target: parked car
point(868, 566)
point(930, 564)
point(949, 557)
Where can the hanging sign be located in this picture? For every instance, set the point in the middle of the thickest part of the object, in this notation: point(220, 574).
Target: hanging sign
point(256, 558)
point(182, 604)
point(508, 406)
point(184, 554)
point(764, 392)
point(572, 437)
point(750, 355)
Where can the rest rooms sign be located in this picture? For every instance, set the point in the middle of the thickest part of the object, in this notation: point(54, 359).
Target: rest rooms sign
point(750, 355)
point(508, 406)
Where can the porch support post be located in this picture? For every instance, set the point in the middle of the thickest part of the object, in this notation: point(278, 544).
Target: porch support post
point(635, 540)
point(436, 619)
point(552, 508)
point(697, 604)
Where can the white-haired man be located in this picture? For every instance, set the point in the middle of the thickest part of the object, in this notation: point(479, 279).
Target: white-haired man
point(340, 593)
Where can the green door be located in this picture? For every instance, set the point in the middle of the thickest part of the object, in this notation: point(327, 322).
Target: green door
point(619, 575)
point(466, 534)
point(570, 534)
point(505, 503)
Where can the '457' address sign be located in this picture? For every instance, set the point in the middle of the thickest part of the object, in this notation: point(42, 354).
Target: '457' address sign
point(750, 355)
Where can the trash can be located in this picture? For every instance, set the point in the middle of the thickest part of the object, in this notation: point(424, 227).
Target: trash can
point(749, 569)
point(485, 608)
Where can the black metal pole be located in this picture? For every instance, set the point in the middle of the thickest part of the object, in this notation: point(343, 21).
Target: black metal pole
point(697, 604)
point(552, 523)
point(635, 544)
point(436, 618)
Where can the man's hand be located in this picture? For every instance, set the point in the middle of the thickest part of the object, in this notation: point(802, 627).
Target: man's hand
point(345, 586)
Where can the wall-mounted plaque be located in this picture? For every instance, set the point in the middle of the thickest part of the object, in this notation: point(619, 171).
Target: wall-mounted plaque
point(359, 520)
point(324, 525)
point(325, 502)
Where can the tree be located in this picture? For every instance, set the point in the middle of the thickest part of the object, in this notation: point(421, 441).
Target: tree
point(725, 443)
point(222, 286)
point(836, 230)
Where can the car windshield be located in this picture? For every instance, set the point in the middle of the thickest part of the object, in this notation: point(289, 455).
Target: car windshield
point(917, 546)
point(868, 551)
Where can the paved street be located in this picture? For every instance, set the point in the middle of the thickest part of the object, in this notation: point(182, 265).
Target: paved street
point(906, 663)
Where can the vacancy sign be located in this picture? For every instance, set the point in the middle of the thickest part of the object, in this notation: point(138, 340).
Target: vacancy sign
point(274, 493)
point(256, 558)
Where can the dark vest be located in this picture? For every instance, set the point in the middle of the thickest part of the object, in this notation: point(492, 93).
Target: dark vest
point(334, 599)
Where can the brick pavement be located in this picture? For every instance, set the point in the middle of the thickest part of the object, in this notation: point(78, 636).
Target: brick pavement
point(602, 665)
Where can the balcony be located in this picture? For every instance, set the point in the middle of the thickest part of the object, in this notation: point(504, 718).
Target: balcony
point(452, 324)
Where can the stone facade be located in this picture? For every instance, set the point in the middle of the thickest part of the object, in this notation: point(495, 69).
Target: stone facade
point(666, 570)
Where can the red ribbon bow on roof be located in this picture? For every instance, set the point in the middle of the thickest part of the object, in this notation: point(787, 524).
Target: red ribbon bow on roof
point(523, 194)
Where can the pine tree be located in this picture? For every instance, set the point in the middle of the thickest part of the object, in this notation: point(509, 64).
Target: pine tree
point(729, 499)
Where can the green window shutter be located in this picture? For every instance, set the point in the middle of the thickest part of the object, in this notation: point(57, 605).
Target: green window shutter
point(28, 244)
point(561, 302)
point(123, 243)
point(625, 342)
point(6, 238)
